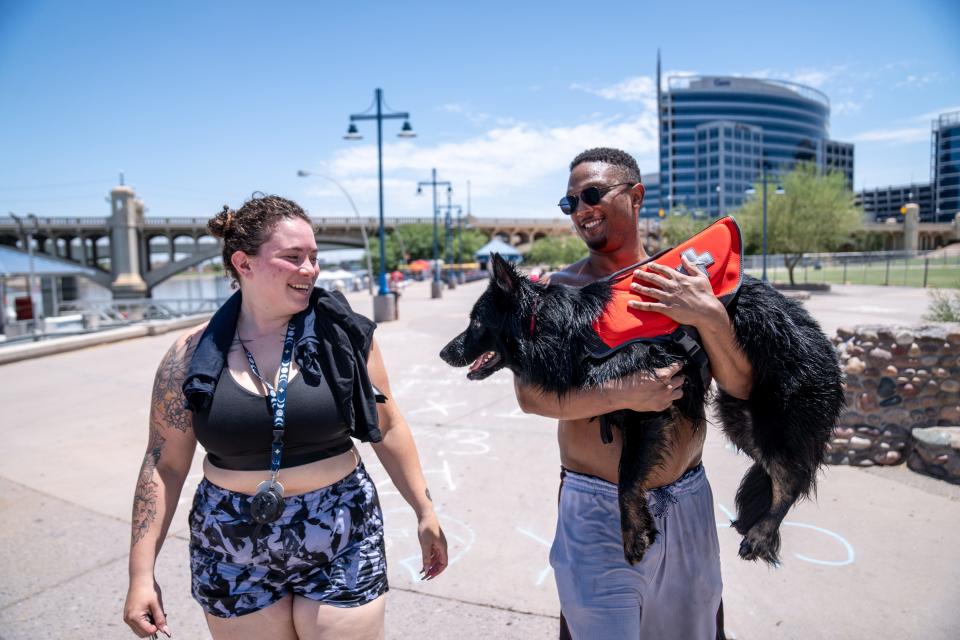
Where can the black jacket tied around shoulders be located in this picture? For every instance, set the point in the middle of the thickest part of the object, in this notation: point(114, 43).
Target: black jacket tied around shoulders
point(330, 340)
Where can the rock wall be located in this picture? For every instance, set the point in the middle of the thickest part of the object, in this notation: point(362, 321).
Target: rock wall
point(897, 379)
point(936, 452)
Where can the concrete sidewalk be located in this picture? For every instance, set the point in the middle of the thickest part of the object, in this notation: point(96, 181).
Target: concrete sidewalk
point(874, 556)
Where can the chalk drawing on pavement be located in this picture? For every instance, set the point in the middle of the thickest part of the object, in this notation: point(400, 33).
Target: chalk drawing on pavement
point(848, 548)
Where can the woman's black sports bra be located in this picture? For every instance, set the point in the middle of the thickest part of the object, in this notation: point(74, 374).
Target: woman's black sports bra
point(238, 429)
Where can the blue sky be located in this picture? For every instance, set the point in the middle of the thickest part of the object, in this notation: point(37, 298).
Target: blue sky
point(202, 103)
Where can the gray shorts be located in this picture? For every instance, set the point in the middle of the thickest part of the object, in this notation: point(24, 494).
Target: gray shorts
point(673, 592)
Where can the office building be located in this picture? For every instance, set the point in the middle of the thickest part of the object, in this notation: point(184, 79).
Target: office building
point(715, 133)
point(945, 166)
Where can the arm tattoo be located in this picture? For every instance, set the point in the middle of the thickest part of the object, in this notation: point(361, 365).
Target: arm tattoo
point(145, 496)
point(167, 410)
point(428, 495)
point(168, 400)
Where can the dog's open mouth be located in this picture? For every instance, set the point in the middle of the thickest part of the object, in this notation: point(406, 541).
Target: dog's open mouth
point(484, 365)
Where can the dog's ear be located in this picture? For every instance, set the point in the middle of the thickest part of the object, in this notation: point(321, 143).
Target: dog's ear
point(504, 276)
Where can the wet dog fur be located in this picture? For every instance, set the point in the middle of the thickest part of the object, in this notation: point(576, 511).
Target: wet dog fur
point(795, 402)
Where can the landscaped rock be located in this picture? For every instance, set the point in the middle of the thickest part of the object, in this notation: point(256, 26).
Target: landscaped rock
point(904, 338)
point(855, 366)
point(950, 386)
point(950, 415)
point(886, 388)
point(896, 379)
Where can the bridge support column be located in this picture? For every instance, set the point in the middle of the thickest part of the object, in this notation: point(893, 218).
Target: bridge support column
point(126, 220)
point(911, 227)
point(84, 255)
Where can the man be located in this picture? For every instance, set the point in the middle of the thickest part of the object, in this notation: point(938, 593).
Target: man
point(674, 592)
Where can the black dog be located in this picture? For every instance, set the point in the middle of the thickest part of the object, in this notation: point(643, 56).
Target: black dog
point(540, 332)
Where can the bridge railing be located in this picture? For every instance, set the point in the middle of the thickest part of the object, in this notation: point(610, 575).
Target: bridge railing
point(103, 313)
point(85, 221)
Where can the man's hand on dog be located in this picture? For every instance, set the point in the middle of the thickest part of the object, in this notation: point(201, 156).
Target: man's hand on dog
point(649, 390)
point(686, 299)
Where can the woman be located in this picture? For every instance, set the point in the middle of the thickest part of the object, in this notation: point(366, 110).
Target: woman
point(286, 535)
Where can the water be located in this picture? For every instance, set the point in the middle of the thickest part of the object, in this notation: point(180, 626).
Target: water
point(188, 286)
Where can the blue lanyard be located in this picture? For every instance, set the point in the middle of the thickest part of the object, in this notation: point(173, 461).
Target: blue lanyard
point(278, 399)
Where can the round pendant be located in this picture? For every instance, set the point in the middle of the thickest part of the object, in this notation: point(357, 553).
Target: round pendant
point(266, 485)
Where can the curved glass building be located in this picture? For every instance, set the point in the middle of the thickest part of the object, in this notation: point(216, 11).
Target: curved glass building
point(715, 133)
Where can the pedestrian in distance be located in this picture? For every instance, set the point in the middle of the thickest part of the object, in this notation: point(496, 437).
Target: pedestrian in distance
point(286, 530)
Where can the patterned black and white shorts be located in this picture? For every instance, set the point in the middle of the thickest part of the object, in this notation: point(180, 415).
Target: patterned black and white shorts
point(327, 546)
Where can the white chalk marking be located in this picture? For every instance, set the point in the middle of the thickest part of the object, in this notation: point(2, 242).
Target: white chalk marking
point(803, 525)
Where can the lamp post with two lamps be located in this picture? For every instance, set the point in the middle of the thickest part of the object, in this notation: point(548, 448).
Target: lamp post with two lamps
point(751, 191)
point(385, 304)
point(363, 227)
point(435, 286)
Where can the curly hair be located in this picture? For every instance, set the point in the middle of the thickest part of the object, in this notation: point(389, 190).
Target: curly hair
point(620, 159)
point(251, 225)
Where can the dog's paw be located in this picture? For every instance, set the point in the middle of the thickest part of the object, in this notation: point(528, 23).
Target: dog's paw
point(636, 544)
point(757, 545)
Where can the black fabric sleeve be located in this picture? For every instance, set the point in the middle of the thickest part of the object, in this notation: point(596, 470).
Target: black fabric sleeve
point(364, 325)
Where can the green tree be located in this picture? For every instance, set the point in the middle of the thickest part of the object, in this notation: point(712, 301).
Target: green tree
point(556, 252)
point(816, 213)
point(680, 224)
point(410, 242)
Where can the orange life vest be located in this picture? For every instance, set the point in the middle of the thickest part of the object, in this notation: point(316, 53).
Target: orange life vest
point(716, 250)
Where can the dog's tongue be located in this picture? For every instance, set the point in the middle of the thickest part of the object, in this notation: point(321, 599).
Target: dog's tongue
point(479, 362)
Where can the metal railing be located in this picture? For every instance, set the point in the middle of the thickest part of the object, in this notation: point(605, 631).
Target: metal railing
point(886, 268)
point(120, 312)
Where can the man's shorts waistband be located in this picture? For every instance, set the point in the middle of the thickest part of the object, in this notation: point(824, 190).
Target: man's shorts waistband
point(691, 480)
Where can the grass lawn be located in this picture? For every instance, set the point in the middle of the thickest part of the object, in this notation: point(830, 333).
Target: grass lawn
point(901, 273)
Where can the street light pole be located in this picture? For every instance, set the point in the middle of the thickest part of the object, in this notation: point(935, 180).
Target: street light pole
point(384, 305)
point(763, 173)
point(779, 191)
point(363, 227)
point(28, 236)
point(448, 221)
point(447, 240)
point(435, 288)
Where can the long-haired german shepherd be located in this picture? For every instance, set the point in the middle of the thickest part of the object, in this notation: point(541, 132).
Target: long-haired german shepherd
point(540, 332)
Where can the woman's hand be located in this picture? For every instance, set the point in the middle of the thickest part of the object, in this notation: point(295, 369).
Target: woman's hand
point(433, 546)
point(686, 299)
point(143, 611)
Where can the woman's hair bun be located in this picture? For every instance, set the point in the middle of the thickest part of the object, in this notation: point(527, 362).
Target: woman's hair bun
point(221, 224)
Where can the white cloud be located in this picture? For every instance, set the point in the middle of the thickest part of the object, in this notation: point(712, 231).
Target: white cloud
point(846, 106)
point(933, 115)
point(636, 89)
point(915, 81)
point(808, 76)
point(513, 170)
point(904, 135)
point(476, 118)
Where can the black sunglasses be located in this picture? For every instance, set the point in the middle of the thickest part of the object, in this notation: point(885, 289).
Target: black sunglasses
point(590, 195)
